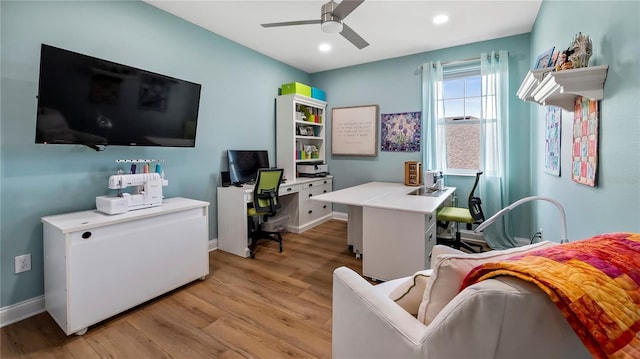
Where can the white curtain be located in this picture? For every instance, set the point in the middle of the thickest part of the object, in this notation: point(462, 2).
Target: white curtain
point(494, 143)
point(431, 86)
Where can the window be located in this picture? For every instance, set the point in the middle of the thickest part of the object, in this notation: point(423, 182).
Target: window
point(459, 111)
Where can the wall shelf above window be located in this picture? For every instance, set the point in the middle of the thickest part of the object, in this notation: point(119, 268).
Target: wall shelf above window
point(560, 88)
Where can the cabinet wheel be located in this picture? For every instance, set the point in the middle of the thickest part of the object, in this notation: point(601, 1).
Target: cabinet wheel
point(82, 331)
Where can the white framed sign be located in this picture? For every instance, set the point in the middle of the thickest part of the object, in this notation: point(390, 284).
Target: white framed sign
point(354, 130)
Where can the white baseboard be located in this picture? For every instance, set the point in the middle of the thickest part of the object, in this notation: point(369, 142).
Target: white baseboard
point(23, 310)
point(213, 244)
point(30, 307)
point(341, 216)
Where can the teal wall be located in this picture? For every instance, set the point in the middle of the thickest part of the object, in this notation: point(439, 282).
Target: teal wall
point(236, 111)
point(614, 205)
point(395, 85)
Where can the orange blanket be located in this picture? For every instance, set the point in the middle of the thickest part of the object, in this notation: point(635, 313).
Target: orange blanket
point(594, 282)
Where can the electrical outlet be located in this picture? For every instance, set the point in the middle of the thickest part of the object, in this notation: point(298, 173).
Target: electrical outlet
point(23, 263)
point(540, 231)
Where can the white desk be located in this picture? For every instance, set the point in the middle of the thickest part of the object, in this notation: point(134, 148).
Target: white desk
point(295, 201)
point(393, 229)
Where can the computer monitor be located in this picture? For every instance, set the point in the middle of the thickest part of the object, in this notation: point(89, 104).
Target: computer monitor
point(244, 164)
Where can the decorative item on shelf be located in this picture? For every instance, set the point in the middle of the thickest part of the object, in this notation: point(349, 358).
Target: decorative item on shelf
point(554, 59)
point(305, 131)
point(300, 116)
point(582, 50)
point(544, 59)
point(564, 61)
point(311, 151)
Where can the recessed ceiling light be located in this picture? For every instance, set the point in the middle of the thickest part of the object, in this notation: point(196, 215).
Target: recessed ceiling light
point(440, 19)
point(324, 47)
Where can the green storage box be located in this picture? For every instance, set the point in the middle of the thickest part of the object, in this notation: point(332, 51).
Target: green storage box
point(296, 87)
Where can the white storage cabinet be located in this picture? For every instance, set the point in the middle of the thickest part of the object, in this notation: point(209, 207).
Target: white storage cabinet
point(98, 265)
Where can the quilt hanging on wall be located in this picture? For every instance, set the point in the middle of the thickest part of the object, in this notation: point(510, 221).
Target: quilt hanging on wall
point(553, 124)
point(400, 132)
point(584, 157)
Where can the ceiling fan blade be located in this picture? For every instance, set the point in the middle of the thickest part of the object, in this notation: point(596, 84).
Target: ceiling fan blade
point(346, 7)
point(354, 38)
point(290, 23)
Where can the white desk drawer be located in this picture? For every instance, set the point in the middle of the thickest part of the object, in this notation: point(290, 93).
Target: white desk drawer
point(430, 220)
point(318, 183)
point(284, 190)
point(307, 193)
point(312, 210)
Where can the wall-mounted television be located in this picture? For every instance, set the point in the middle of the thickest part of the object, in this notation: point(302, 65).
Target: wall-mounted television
point(244, 165)
point(89, 101)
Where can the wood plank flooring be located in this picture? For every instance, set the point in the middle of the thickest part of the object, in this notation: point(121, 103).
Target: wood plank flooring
point(277, 305)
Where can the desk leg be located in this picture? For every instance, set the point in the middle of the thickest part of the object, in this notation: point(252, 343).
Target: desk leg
point(232, 222)
point(354, 229)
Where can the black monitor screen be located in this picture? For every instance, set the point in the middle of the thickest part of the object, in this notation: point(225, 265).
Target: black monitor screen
point(86, 100)
point(244, 165)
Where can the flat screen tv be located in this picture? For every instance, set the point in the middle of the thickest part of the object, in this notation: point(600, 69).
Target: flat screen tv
point(89, 101)
point(244, 165)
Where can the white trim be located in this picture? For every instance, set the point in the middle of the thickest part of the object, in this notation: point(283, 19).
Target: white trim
point(16, 312)
point(341, 216)
point(213, 244)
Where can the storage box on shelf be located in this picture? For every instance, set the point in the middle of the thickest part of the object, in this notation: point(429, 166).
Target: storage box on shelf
point(318, 94)
point(560, 88)
point(296, 87)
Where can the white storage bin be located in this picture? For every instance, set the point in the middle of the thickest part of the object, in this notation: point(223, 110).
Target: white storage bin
point(276, 224)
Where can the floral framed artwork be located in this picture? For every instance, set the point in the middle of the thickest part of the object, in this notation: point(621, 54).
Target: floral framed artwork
point(400, 132)
point(584, 154)
point(553, 124)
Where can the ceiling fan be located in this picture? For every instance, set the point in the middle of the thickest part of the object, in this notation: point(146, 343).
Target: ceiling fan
point(331, 19)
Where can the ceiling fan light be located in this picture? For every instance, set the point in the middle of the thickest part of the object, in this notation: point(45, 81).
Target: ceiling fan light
point(331, 26)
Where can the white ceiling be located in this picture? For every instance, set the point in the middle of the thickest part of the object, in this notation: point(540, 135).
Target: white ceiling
point(393, 28)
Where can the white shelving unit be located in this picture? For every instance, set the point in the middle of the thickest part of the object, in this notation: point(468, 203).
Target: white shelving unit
point(291, 133)
point(551, 88)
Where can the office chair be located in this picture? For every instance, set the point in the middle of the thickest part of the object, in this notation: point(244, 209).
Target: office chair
point(265, 203)
point(470, 216)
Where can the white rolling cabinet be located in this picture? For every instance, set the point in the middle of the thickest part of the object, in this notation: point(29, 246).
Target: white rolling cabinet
point(407, 237)
point(293, 133)
point(98, 265)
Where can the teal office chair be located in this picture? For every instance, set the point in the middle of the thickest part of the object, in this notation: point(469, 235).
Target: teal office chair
point(470, 216)
point(265, 204)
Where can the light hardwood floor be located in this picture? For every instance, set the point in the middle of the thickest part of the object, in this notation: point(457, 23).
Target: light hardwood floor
point(277, 305)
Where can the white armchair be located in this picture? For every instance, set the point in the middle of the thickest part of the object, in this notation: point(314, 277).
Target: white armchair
point(496, 318)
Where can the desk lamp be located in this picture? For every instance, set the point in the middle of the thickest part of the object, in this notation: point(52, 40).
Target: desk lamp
point(500, 213)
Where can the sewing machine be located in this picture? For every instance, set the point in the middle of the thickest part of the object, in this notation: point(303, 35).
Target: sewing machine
point(434, 180)
point(146, 188)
